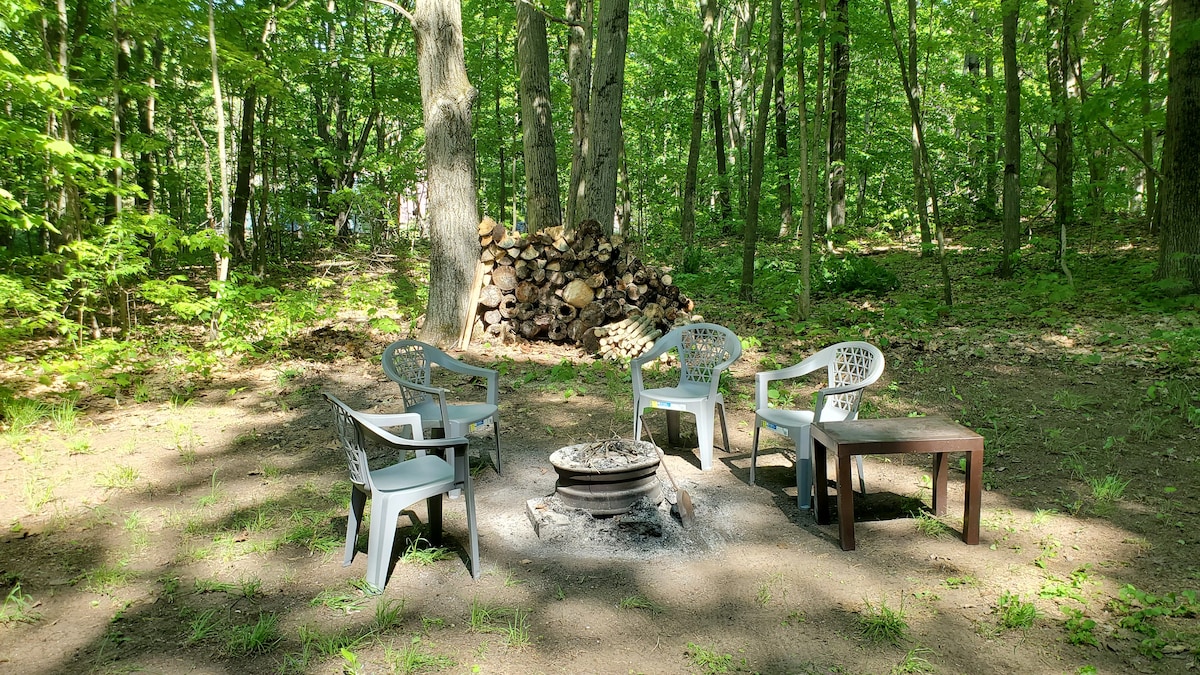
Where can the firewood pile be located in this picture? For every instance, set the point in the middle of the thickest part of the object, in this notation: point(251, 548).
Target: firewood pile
point(585, 288)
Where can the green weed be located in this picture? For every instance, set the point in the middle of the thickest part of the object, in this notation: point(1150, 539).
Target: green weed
point(37, 492)
point(1142, 612)
point(23, 414)
point(107, 578)
point(414, 658)
point(65, 417)
point(254, 638)
point(214, 492)
point(516, 630)
point(930, 526)
point(342, 602)
point(639, 601)
point(709, 659)
point(1107, 489)
point(417, 555)
point(203, 626)
point(1080, 629)
point(388, 614)
point(882, 624)
point(119, 477)
point(914, 662)
point(18, 607)
point(1012, 612)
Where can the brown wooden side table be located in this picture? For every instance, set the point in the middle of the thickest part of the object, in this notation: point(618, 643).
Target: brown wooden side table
point(936, 435)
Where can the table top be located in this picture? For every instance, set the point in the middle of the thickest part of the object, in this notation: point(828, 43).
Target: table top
point(895, 430)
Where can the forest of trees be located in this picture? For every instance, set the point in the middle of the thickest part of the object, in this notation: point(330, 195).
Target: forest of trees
point(170, 155)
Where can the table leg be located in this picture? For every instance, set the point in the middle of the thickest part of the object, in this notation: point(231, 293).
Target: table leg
point(845, 502)
point(433, 508)
point(820, 482)
point(673, 428)
point(974, 496)
point(941, 471)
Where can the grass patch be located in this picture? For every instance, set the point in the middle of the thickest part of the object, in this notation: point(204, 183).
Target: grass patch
point(639, 601)
point(1013, 613)
point(416, 658)
point(254, 638)
point(416, 554)
point(18, 607)
point(709, 659)
point(882, 624)
point(119, 477)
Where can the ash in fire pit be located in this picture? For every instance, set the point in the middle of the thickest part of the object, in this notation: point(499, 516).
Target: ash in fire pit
point(606, 478)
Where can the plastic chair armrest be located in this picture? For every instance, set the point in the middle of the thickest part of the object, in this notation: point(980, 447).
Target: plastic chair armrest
point(391, 420)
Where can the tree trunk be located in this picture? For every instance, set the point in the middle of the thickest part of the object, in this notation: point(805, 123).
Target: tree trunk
point(1058, 66)
point(742, 84)
point(221, 222)
point(723, 199)
point(604, 123)
point(1179, 236)
point(989, 132)
point(920, 198)
point(1012, 141)
point(579, 72)
point(502, 202)
point(120, 111)
point(543, 208)
point(687, 220)
point(245, 172)
point(819, 157)
point(147, 167)
point(786, 218)
point(806, 212)
point(757, 150)
point(446, 98)
point(836, 209)
point(1149, 197)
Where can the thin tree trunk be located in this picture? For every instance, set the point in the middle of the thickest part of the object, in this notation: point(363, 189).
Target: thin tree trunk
point(757, 150)
point(245, 172)
point(687, 220)
point(543, 205)
point(604, 119)
point(579, 72)
point(819, 155)
point(220, 224)
point(920, 198)
point(786, 217)
point(1149, 199)
point(1058, 67)
point(1012, 141)
point(502, 142)
point(835, 219)
point(742, 74)
point(989, 131)
point(724, 201)
point(806, 192)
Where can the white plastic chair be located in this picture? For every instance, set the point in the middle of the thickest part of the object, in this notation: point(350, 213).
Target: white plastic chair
point(410, 363)
point(705, 351)
point(394, 488)
point(852, 367)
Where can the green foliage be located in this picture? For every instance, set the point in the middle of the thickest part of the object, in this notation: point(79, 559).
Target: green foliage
point(882, 624)
point(1012, 612)
point(852, 274)
point(1145, 613)
point(254, 638)
point(18, 607)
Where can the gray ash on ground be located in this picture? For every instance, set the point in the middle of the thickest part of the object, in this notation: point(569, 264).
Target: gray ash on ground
point(608, 455)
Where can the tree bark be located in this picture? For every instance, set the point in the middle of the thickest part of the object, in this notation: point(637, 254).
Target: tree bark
point(757, 149)
point(723, 199)
point(221, 221)
point(836, 209)
point(1011, 227)
point(786, 217)
point(579, 72)
point(1149, 197)
point(687, 219)
point(543, 207)
point(245, 172)
point(446, 98)
point(1179, 236)
point(806, 193)
point(1058, 66)
point(920, 197)
point(604, 123)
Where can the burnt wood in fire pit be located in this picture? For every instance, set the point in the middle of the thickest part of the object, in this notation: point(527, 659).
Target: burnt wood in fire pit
point(607, 477)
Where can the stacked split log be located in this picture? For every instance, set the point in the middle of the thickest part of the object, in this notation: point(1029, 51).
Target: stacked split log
point(584, 287)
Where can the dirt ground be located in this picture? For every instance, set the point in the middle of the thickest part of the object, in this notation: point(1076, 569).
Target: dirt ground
point(177, 515)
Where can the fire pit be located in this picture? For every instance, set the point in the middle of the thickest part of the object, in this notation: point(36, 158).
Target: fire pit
point(605, 478)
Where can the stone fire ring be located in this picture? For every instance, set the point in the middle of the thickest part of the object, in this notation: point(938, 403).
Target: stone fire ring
point(607, 488)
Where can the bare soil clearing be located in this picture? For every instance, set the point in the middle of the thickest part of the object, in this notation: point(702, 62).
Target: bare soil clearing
point(211, 523)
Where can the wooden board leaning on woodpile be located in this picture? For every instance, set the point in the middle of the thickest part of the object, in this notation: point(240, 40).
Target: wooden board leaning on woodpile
point(586, 288)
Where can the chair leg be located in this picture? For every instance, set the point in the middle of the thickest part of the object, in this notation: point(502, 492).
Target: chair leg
point(862, 480)
point(704, 436)
point(383, 537)
point(724, 429)
point(358, 503)
point(433, 511)
point(637, 421)
point(804, 470)
point(472, 528)
point(496, 433)
point(754, 450)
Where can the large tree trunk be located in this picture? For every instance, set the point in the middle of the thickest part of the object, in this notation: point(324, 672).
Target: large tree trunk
point(147, 166)
point(739, 91)
point(757, 149)
point(819, 175)
point(1179, 236)
point(835, 219)
point(543, 205)
point(579, 72)
point(687, 219)
point(604, 123)
point(446, 98)
point(1012, 141)
point(221, 221)
point(786, 218)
